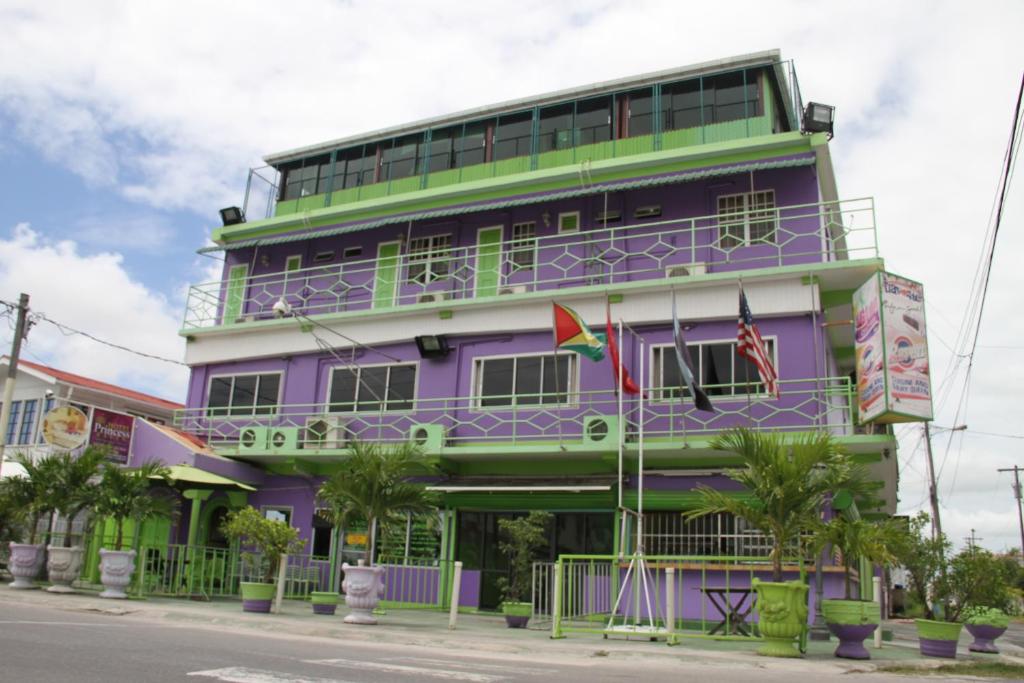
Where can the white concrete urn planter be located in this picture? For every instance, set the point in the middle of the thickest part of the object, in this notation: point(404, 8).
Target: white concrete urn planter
point(116, 568)
point(24, 564)
point(363, 587)
point(63, 566)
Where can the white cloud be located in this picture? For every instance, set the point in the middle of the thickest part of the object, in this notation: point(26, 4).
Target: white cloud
point(92, 293)
point(145, 232)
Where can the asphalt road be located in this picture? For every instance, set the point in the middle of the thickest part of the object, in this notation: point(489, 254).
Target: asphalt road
point(43, 645)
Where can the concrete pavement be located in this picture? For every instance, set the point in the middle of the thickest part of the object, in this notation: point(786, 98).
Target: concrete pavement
point(482, 633)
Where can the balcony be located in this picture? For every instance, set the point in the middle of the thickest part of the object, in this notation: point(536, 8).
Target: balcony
point(602, 256)
point(580, 422)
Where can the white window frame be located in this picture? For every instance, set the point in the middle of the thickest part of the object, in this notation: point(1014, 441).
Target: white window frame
point(562, 215)
point(272, 409)
point(733, 222)
point(523, 245)
point(330, 386)
point(572, 391)
point(668, 350)
point(432, 255)
point(290, 509)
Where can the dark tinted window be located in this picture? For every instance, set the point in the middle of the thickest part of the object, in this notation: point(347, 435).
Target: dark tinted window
point(593, 120)
point(512, 136)
point(555, 128)
point(471, 148)
point(399, 159)
point(641, 110)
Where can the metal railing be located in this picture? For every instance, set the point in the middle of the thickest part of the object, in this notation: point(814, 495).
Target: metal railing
point(417, 582)
point(825, 403)
point(711, 595)
point(790, 235)
point(182, 570)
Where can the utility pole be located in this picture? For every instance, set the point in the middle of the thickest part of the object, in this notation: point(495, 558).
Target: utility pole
point(933, 491)
point(1017, 494)
point(12, 371)
point(972, 540)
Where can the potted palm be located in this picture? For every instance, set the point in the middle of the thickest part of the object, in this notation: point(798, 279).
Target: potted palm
point(33, 494)
point(976, 588)
point(372, 484)
point(123, 495)
point(850, 620)
point(75, 491)
point(521, 538)
point(269, 539)
point(786, 484)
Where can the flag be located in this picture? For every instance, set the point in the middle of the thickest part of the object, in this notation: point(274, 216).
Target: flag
point(571, 334)
point(700, 399)
point(628, 385)
point(752, 347)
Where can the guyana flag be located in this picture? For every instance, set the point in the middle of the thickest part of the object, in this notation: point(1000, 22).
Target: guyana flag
point(572, 334)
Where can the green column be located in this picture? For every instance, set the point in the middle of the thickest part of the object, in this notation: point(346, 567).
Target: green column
point(197, 496)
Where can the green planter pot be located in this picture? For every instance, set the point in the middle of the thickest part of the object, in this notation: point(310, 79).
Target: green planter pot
point(517, 614)
point(257, 597)
point(324, 602)
point(782, 610)
point(938, 638)
point(851, 621)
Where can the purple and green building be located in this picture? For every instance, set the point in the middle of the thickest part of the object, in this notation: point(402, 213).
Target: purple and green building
point(398, 285)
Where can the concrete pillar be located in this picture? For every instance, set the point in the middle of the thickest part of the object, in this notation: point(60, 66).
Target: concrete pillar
point(197, 496)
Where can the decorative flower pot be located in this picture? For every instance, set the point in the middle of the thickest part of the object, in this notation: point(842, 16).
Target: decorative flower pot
point(323, 602)
point(937, 638)
point(257, 597)
point(63, 566)
point(24, 564)
point(517, 614)
point(363, 588)
point(984, 635)
point(116, 569)
point(851, 621)
point(782, 613)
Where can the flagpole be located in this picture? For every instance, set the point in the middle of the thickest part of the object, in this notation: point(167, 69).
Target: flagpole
point(750, 416)
point(622, 425)
point(556, 412)
point(682, 404)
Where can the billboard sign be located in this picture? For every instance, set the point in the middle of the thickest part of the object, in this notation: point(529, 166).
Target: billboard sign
point(65, 427)
point(113, 430)
point(891, 347)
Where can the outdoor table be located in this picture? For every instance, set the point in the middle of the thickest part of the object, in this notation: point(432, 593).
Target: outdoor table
point(733, 614)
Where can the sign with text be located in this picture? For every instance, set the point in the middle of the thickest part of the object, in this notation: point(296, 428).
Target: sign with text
point(113, 430)
point(891, 346)
point(65, 427)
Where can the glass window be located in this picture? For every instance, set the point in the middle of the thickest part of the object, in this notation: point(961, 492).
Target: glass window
point(745, 219)
point(512, 136)
point(278, 514)
point(523, 246)
point(28, 422)
point(593, 120)
point(440, 154)
point(399, 158)
point(719, 369)
point(373, 388)
point(471, 148)
point(429, 258)
point(244, 394)
point(681, 105)
point(733, 96)
point(303, 178)
point(641, 112)
point(12, 421)
point(354, 167)
point(555, 128)
point(525, 380)
point(322, 530)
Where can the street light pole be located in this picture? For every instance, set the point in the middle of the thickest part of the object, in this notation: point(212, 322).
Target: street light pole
point(1017, 494)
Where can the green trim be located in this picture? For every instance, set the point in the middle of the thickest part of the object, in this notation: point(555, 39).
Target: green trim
point(837, 297)
point(603, 501)
point(671, 500)
point(937, 630)
point(615, 298)
point(544, 180)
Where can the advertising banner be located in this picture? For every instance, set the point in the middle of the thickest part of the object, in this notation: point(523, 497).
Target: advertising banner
point(891, 347)
point(65, 427)
point(113, 430)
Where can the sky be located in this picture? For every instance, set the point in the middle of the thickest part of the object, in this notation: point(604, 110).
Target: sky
point(125, 126)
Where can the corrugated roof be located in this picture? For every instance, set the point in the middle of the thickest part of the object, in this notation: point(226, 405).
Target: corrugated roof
point(89, 383)
point(653, 181)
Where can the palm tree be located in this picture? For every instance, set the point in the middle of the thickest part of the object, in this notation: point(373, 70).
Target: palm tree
point(371, 484)
point(857, 538)
point(75, 489)
point(125, 494)
point(36, 491)
point(786, 484)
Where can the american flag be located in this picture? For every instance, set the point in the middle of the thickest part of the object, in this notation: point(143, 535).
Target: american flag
point(752, 347)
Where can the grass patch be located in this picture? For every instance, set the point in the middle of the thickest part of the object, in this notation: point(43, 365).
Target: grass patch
point(980, 669)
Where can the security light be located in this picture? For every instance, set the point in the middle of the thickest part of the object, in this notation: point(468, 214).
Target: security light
point(819, 118)
point(281, 308)
point(232, 216)
point(432, 346)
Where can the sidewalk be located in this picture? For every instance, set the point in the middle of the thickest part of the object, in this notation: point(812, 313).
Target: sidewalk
point(479, 633)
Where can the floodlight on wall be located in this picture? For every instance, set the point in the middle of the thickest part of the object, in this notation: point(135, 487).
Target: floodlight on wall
point(281, 308)
point(819, 118)
point(232, 216)
point(432, 346)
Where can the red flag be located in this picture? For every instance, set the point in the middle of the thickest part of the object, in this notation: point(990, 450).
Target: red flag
point(628, 385)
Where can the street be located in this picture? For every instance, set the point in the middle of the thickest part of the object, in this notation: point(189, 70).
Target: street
point(44, 645)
